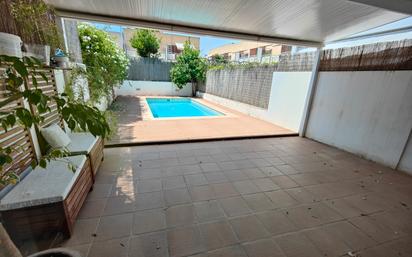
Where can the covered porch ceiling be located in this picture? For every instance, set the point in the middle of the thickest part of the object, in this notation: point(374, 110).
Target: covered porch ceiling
point(300, 22)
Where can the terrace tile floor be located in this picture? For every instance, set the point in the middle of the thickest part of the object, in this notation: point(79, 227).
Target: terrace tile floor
point(135, 124)
point(288, 197)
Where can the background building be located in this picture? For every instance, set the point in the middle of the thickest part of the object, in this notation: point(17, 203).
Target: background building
point(170, 44)
point(249, 51)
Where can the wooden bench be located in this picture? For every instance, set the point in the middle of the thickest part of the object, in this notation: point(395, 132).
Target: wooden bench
point(90, 145)
point(47, 201)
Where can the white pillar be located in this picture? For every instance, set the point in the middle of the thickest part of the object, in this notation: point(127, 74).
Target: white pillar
point(310, 94)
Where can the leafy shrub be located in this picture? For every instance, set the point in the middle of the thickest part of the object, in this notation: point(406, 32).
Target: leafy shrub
point(190, 67)
point(145, 42)
point(243, 65)
point(106, 63)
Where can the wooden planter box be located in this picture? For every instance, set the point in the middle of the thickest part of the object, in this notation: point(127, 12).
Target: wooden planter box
point(47, 201)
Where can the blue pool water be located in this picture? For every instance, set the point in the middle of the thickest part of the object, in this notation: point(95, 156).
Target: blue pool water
point(178, 107)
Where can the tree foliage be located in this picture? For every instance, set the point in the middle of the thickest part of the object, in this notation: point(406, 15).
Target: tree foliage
point(218, 59)
point(145, 42)
point(106, 63)
point(190, 67)
point(75, 114)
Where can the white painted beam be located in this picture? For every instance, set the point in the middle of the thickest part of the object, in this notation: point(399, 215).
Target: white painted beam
point(183, 29)
point(401, 6)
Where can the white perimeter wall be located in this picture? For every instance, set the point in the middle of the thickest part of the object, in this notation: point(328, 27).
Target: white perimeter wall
point(286, 102)
point(287, 98)
point(406, 161)
point(160, 88)
point(367, 113)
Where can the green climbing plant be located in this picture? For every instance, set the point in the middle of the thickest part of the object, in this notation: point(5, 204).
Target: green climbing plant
point(106, 64)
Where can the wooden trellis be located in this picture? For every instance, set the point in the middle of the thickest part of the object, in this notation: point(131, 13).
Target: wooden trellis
point(17, 138)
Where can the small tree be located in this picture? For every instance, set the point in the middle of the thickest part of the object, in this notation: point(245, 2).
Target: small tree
point(145, 42)
point(218, 59)
point(190, 67)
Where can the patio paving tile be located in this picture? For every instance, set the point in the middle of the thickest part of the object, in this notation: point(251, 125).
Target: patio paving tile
point(118, 205)
point(83, 232)
point(297, 245)
point(265, 184)
point(173, 182)
point(351, 207)
point(234, 206)
point(284, 182)
point(276, 222)
point(180, 215)
point(149, 201)
point(185, 241)
point(216, 177)
point(217, 234)
point(208, 210)
point(148, 221)
point(248, 228)
point(224, 190)
point(327, 243)
point(92, 208)
point(281, 199)
point(116, 226)
point(258, 202)
point(232, 251)
point(352, 236)
point(312, 215)
point(149, 245)
point(195, 179)
point(235, 175)
point(149, 185)
point(253, 173)
point(246, 187)
point(177, 196)
point(115, 247)
point(263, 248)
point(375, 229)
point(202, 193)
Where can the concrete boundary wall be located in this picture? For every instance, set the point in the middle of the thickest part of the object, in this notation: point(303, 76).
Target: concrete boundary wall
point(152, 88)
point(286, 100)
point(368, 113)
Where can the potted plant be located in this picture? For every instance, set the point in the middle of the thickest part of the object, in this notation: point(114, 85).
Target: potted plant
point(10, 45)
point(61, 59)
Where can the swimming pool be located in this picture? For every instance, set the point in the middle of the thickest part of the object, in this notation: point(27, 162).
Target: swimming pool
point(179, 107)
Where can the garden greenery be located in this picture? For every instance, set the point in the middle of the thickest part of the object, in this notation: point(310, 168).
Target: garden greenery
point(145, 42)
point(75, 114)
point(35, 21)
point(106, 64)
point(241, 65)
point(189, 68)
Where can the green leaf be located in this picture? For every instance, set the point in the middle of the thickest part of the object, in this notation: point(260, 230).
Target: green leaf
point(43, 163)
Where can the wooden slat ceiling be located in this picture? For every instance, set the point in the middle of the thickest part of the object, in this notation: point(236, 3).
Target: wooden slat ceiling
point(303, 20)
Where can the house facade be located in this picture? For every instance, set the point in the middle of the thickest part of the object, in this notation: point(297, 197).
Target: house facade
point(171, 45)
point(249, 51)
